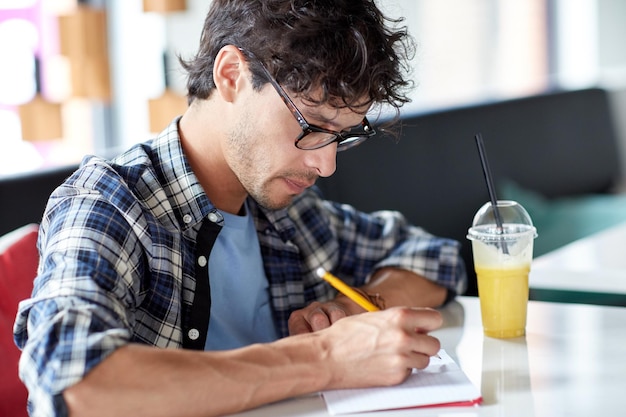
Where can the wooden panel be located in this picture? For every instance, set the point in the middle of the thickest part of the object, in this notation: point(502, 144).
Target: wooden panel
point(83, 40)
point(164, 6)
point(164, 109)
point(41, 120)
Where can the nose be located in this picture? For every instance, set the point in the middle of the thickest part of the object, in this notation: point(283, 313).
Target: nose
point(323, 160)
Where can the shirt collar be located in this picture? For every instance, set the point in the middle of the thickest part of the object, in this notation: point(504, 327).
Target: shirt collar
point(187, 197)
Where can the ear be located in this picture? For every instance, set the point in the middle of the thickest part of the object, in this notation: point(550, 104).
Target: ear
point(230, 72)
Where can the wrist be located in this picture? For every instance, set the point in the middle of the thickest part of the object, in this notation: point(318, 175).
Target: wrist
point(353, 308)
point(374, 298)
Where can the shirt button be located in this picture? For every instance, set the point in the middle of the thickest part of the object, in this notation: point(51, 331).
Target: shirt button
point(193, 334)
point(202, 261)
point(187, 218)
point(213, 217)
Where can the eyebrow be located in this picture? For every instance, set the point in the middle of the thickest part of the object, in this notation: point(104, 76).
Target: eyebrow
point(312, 114)
point(321, 118)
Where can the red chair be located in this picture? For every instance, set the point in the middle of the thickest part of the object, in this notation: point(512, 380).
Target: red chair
point(18, 268)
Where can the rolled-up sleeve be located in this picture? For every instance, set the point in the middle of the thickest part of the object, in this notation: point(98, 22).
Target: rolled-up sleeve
point(370, 241)
point(61, 339)
point(81, 307)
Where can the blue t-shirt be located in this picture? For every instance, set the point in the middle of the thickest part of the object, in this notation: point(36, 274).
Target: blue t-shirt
point(240, 308)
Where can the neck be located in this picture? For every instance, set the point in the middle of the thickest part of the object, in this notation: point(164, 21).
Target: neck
point(201, 144)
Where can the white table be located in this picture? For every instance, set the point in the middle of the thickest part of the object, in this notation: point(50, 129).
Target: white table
point(572, 362)
point(592, 269)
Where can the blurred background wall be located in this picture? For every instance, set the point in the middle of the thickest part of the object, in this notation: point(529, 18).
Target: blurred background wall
point(93, 77)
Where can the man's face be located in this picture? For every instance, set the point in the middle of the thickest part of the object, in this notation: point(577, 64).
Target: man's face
point(261, 148)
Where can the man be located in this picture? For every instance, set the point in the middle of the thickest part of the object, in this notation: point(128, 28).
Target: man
point(208, 237)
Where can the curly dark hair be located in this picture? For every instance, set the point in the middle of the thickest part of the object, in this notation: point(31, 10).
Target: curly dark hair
point(343, 48)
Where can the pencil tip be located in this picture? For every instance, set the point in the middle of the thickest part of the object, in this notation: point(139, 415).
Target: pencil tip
point(320, 272)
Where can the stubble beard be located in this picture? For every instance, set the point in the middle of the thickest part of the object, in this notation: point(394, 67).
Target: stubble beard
point(250, 165)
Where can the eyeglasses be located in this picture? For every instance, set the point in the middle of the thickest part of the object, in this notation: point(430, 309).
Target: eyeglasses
point(315, 137)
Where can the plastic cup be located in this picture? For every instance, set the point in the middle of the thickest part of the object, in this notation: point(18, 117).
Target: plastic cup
point(502, 258)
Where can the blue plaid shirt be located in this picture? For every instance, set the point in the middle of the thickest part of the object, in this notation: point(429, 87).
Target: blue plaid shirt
point(123, 241)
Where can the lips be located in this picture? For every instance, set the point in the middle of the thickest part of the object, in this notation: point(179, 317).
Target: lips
point(298, 186)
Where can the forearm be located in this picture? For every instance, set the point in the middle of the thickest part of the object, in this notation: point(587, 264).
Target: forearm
point(400, 287)
point(360, 351)
point(139, 380)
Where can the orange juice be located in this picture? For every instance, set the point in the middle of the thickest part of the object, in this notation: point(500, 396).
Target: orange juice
point(502, 235)
point(503, 296)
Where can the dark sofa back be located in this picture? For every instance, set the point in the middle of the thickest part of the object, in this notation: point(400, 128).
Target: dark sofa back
point(558, 144)
point(23, 197)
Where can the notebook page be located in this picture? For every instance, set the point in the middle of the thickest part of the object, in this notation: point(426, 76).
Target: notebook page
point(442, 382)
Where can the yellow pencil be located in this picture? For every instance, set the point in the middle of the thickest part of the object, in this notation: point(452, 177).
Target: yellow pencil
point(346, 290)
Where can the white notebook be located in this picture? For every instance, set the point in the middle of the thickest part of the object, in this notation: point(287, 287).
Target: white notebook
point(441, 383)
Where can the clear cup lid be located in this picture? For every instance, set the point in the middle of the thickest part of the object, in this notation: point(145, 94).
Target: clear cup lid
point(515, 222)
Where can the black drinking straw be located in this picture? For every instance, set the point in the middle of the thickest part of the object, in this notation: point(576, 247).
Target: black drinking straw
point(492, 191)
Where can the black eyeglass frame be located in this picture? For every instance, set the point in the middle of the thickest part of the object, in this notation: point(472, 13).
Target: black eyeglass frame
point(344, 140)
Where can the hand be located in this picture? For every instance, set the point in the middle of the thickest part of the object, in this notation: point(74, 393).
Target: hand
point(317, 316)
point(380, 348)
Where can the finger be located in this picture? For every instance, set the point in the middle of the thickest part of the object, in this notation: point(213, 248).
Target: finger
point(297, 324)
point(415, 351)
point(426, 346)
point(424, 320)
point(418, 360)
point(318, 319)
point(326, 315)
point(335, 312)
